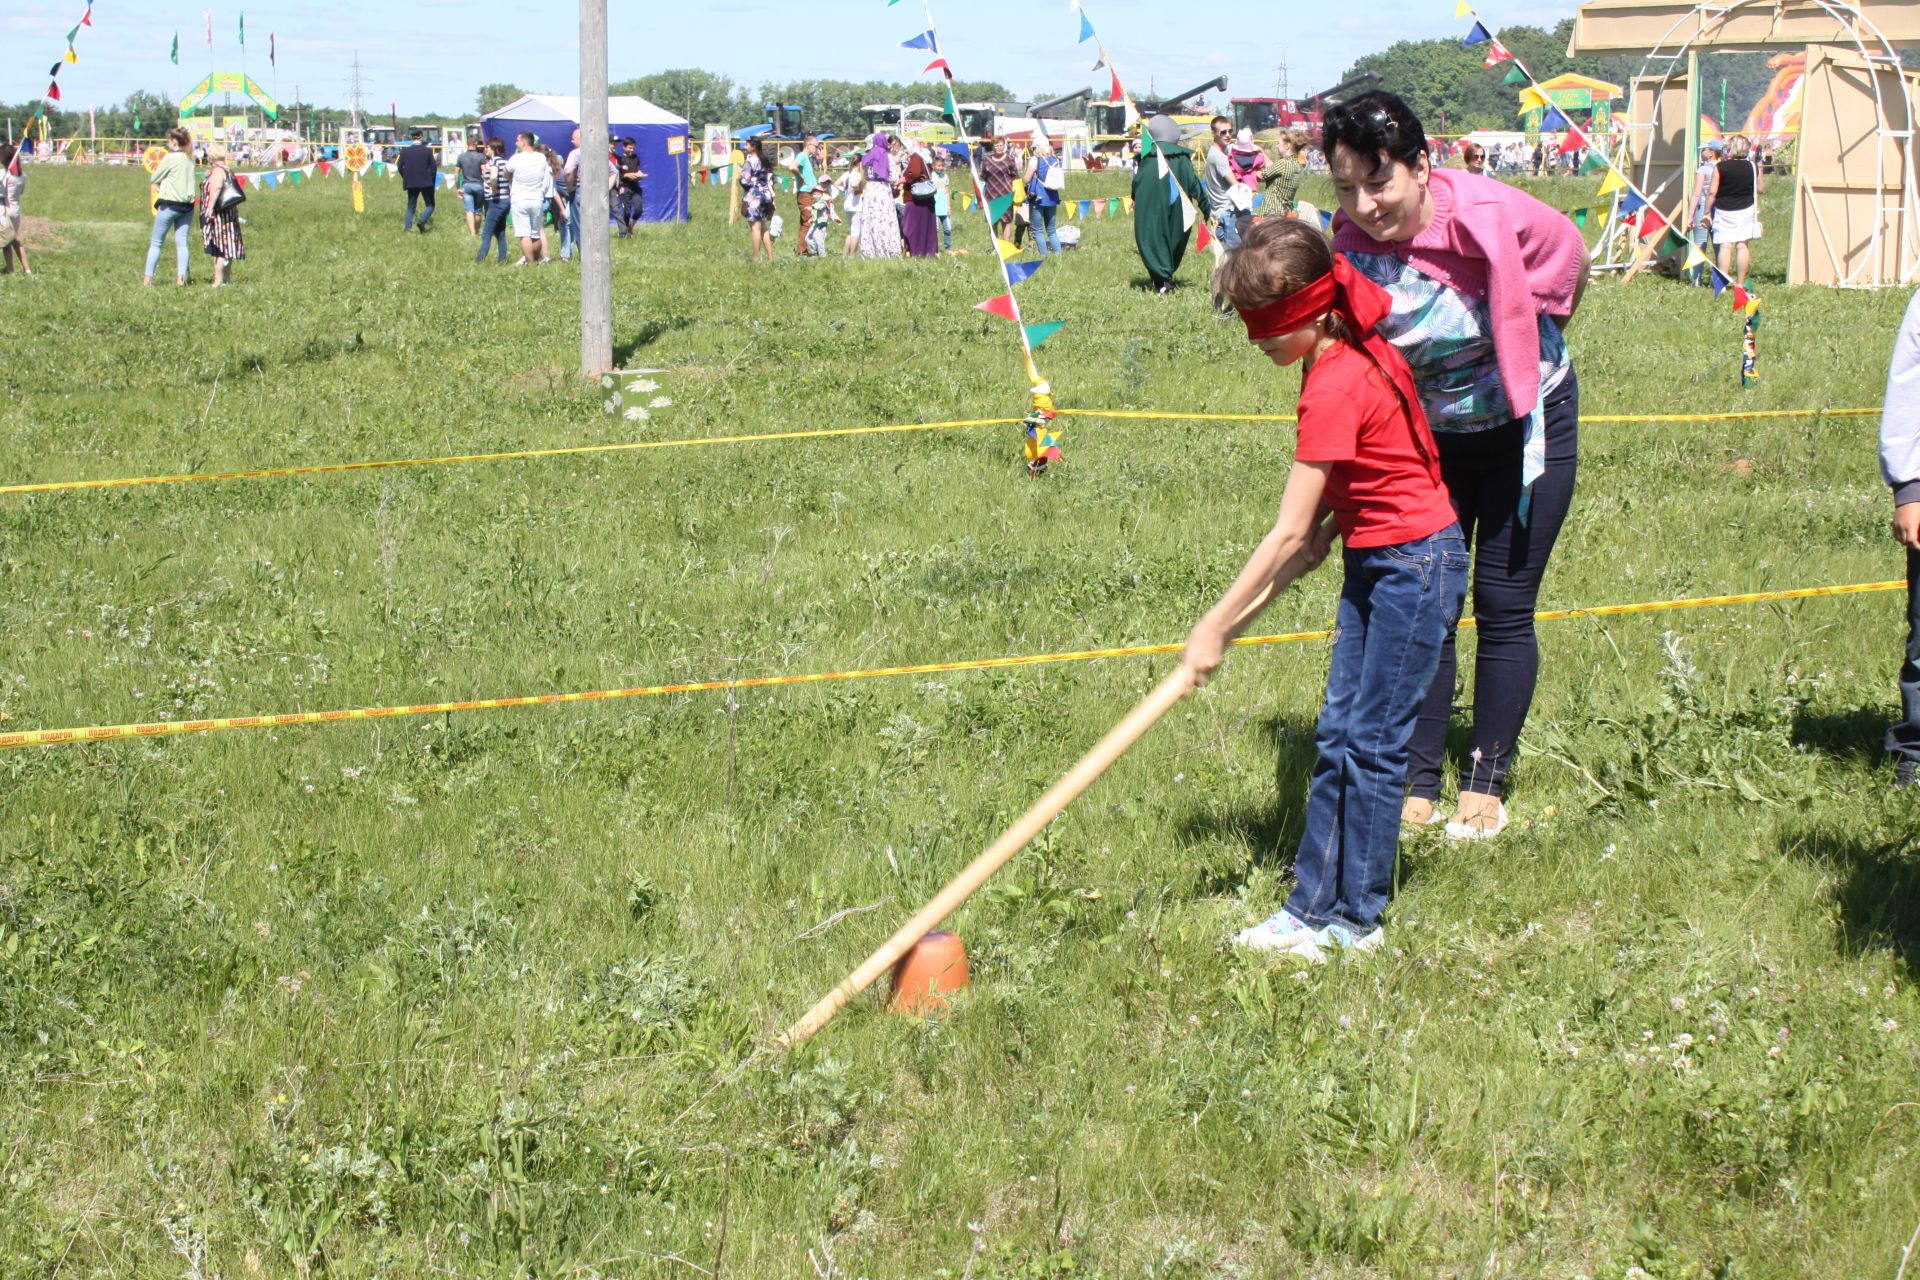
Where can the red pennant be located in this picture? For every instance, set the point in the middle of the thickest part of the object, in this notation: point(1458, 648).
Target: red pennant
point(1204, 239)
point(53, 91)
point(1118, 94)
point(1573, 141)
point(325, 168)
point(86, 19)
point(1740, 299)
point(1001, 306)
point(1651, 223)
point(940, 64)
point(1497, 55)
point(240, 181)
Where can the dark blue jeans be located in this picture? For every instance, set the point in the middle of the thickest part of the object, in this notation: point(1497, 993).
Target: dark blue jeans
point(1903, 739)
point(414, 195)
point(627, 209)
point(1482, 471)
point(1396, 607)
point(495, 228)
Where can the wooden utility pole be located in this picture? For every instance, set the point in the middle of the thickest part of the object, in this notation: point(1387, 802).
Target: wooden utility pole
point(596, 261)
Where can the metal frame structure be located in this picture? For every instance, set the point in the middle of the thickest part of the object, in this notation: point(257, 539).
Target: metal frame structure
point(1723, 24)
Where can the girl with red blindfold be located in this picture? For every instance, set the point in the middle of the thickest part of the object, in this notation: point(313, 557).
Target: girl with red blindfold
point(1367, 471)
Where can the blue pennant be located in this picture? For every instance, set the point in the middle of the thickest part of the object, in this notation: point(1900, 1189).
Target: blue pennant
point(925, 40)
point(1086, 29)
point(1021, 272)
point(1631, 201)
point(1479, 35)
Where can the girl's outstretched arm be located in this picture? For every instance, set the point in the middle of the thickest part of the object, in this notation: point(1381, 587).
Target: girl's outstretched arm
point(1296, 544)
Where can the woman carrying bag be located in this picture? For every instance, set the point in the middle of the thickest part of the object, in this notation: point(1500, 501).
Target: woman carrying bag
point(220, 199)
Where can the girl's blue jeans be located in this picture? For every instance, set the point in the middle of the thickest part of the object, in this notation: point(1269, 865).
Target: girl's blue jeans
point(1396, 607)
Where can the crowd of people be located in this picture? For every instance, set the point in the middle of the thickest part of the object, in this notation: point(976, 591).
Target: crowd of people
point(896, 197)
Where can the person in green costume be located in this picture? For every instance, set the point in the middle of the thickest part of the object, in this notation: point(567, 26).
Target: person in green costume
point(1159, 220)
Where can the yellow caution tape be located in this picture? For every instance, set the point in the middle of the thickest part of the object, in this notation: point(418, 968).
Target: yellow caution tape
point(635, 446)
point(165, 728)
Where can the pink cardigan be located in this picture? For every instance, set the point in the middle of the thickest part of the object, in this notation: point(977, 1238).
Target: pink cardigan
point(1498, 244)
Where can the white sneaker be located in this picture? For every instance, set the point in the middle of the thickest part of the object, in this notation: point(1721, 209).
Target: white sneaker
point(521, 263)
point(1278, 932)
point(1471, 831)
point(1317, 944)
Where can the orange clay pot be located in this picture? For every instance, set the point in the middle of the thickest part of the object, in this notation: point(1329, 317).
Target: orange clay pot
point(923, 978)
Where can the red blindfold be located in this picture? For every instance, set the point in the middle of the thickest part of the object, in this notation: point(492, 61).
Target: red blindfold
point(1343, 291)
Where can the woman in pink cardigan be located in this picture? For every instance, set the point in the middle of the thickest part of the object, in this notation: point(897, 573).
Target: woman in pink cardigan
point(1483, 278)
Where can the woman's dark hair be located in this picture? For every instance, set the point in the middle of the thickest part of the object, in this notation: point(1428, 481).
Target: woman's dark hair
point(180, 138)
point(6, 153)
point(1373, 124)
point(1277, 258)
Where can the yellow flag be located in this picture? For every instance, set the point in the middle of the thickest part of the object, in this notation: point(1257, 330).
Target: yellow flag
point(71, 57)
point(1695, 258)
point(1008, 250)
point(1531, 99)
point(1462, 9)
point(1612, 182)
point(1129, 204)
point(359, 196)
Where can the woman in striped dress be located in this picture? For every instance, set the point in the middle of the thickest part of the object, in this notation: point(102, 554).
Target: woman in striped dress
point(219, 228)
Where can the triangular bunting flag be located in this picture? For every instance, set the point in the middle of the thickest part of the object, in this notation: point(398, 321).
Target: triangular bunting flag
point(925, 40)
point(1118, 94)
point(1126, 202)
point(1697, 259)
point(86, 19)
point(53, 72)
point(939, 64)
point(1326, 220)
point(1008, 249)
point(1496, 55)
point(1632, 202)
point(1752, 309)
point(1596, 160)
point(1001, 306)
point(1101, 63)
point(997, 209)
point(70, 57)
point(1021, 272)
point(1580, 218)
point(53, 91)
point(1514, 76)
point(1462, 9)
point(1204, 239)
point(1612, 182)
point(1084, 205)
point(1554, 121)
point(1651, 222)
point(1039, 333)
point(1740, 297)
point(1479, 35)
point(76, 31)
point(1086, 30)
point(1719, 281)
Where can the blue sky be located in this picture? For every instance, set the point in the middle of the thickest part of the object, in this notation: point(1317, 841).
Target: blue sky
point(431, 55)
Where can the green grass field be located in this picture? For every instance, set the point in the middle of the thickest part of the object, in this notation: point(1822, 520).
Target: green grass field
point(492, 994)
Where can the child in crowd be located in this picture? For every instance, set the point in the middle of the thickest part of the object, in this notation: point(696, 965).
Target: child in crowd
point(942, 198)
point(821, 217)
point(1365, 454)
point(1246, 159)
point(853, 183)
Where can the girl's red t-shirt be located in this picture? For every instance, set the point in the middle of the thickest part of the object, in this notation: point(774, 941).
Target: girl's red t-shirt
point(1385, 486)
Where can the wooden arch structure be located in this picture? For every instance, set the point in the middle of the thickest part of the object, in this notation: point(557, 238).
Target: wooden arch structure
point(1856, 204)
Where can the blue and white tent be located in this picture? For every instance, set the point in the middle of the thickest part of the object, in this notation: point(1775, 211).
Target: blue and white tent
point(658, 134)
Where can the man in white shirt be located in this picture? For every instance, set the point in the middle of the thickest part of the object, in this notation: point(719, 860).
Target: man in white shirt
point(1900, 468)
point(532, 179)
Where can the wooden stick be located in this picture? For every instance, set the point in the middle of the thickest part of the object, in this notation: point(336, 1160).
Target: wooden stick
point(1011, 841)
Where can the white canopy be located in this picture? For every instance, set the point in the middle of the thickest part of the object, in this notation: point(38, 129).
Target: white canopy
point(552, 107)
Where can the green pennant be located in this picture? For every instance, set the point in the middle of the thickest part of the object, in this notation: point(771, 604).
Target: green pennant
point(1580, 218)
point(1514, 76)
point(1146, 143)
point(1039, 333)
point(1596, 161)
point(953, 108)
point(997, 209)
point(296, 177)
point(1113, 206)
point(1672, 241)
point(70, 35)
